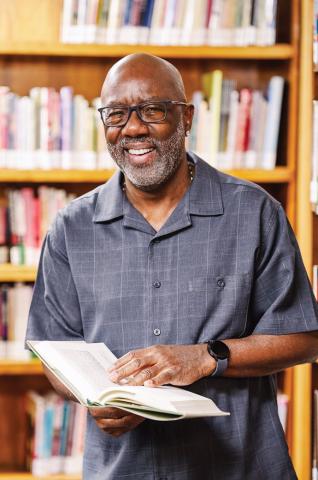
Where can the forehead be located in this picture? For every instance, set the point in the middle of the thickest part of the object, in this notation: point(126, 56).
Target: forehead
point(130, 87)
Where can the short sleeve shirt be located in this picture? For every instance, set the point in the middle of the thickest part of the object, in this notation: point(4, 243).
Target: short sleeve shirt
point(224, 265)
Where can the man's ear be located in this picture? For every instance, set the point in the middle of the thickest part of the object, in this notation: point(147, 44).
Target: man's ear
point(188, 117)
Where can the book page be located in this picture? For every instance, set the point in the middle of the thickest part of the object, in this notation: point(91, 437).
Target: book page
point(164, 399)
point(81, 366)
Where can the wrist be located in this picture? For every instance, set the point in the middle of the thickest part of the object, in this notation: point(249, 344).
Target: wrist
point(208, 362)
point(221, 353)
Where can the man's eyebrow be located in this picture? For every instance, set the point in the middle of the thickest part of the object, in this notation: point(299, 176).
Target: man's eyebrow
point(122, 104)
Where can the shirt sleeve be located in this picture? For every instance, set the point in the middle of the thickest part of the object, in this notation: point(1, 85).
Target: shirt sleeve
point(282, 299)
point(55, 310)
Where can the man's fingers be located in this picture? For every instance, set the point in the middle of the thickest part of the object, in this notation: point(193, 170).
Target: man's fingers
point(108, 412)
point(143, 376)
point(128, 357)
point(163, 378)
point(118, 426)
point(134, 366)
point(112, 423)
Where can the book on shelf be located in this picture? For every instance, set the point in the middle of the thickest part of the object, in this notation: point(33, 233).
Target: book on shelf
point(51, 129)
point(170, 22)
point(236, 128)
point(25, 217)
point(15, 303)
point(82, 368)
point(315, 34)
point(231, 129)
point(55, 434)
point(282, 405)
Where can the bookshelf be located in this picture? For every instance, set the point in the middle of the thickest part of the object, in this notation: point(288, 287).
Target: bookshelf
point(31, 54)
point(306, 376)
point(28, 476)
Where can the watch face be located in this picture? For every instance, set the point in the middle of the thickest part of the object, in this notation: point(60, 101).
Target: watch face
point(220, 349)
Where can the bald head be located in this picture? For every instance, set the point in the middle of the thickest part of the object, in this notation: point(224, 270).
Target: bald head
point(163, 75)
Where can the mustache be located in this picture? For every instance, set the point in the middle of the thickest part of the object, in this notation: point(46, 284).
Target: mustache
point(126, 142)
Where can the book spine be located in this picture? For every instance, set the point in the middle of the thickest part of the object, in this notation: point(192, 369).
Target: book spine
point(243, 125)
point(217, 78)
point(275, 97)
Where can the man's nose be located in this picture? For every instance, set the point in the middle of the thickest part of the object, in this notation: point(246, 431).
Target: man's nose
point(134, 126)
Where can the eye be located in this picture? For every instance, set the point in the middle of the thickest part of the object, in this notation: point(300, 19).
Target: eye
point(153, 110)
point(114, 113)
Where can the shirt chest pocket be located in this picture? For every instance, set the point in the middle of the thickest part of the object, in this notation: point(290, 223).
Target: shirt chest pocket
point(220, 304)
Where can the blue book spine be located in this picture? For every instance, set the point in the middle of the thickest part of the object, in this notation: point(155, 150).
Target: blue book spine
point(147, 13)
point(65, 421)
point(48, 431)
point(128, 12)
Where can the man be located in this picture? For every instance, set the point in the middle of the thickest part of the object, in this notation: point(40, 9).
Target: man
point(169, 255)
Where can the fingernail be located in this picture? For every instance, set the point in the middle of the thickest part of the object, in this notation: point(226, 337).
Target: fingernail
point(148, 383)
point(113, 376)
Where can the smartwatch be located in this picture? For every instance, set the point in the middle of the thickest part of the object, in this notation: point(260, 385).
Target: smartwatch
point(221, 353)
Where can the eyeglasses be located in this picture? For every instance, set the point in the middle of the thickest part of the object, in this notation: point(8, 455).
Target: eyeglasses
point(147, 112)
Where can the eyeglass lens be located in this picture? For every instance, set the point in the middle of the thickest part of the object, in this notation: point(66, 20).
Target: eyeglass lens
point(150, 112)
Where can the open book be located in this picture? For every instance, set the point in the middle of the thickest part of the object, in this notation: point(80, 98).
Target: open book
point(82, 368)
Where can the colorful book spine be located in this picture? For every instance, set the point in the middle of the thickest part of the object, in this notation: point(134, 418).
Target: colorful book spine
point(49, 129)
point(236, 128)
point(169, 22)
point(52, 447)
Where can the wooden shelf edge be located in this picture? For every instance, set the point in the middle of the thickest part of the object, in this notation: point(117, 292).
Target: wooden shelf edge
point(280, 51)
point(29, 476)
point(20, 367)
point(17, 273)
point(55, 176)
point(277, 175)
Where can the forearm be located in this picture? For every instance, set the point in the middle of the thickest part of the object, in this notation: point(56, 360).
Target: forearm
point(58, 386)
point(259, 355)
point(253, 356)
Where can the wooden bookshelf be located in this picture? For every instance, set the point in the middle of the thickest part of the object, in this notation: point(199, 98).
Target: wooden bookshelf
point(55, 176)
point(30, 54)
point(29, 476)
point(307, 232)
point(16, 367)
point(17, 273)
point(278, 175)
point(275, 52)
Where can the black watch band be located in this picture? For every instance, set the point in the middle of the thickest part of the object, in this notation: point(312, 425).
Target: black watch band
point(221, 353)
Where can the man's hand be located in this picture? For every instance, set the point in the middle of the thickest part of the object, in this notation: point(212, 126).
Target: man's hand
point(163, 364)
point(114, 421)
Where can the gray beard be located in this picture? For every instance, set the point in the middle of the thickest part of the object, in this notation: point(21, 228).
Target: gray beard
point(168, 157)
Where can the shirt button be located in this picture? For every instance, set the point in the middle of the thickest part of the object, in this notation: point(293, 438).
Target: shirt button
point(221, 283)
point(157, 331)
point(157, 284)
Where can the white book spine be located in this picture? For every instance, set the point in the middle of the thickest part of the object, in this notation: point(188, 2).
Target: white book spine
point(275, 97)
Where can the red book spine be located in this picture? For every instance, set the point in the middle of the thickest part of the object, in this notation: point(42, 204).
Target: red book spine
point(244, 118)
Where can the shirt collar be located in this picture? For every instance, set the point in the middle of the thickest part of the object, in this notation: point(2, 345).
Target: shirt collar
point(110, 200)
point(205, 195)
point(205, 191)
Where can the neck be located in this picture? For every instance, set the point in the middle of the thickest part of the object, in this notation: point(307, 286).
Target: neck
point(158, 204)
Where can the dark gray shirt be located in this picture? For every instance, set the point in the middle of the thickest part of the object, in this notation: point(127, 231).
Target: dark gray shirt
point(224, 265)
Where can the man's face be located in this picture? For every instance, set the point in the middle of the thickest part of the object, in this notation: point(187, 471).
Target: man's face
point(148, 154)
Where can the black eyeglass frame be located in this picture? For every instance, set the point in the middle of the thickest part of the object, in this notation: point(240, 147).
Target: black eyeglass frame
point(135, 108)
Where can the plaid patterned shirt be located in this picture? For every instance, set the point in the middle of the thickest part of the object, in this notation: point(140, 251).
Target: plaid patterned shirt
point(224, 265)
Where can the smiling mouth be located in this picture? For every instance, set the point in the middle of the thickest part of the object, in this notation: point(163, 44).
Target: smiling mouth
point(140, 151)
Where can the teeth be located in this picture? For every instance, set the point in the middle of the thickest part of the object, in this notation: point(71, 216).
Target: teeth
point(140, 151)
